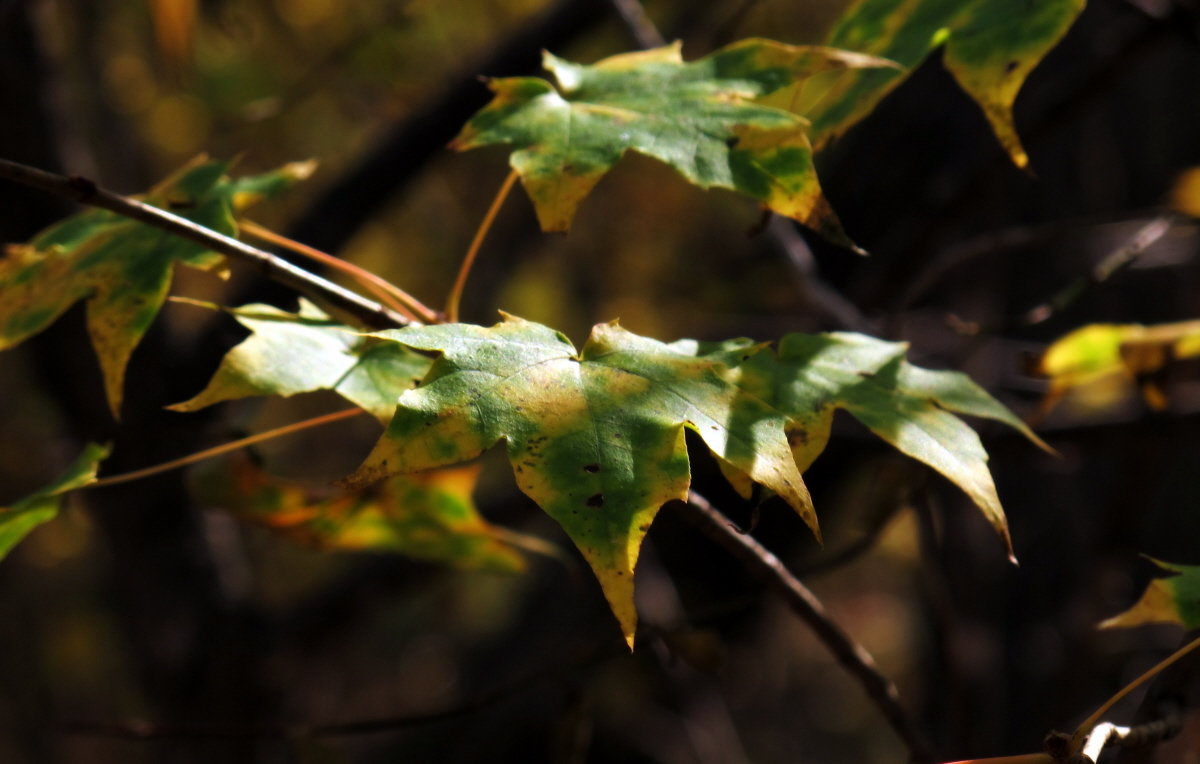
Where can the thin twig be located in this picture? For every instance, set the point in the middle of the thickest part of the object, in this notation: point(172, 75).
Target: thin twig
point(385, 291)
point(321, 291)
point(853, 656)
point(137, 729)
point(816, 292)
point(639, 24)
point(225, 448)
point(1118, 259)
point(1085, 729)
point(485, 225)
point(1106, 734)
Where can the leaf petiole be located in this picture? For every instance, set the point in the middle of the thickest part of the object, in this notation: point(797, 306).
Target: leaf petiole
point(225, 448)
point(485, 225)
point(386, 292)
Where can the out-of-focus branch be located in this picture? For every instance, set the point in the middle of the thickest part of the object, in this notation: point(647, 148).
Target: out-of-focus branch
point(854, 657)
point(370, 183)
point(1114, 261)
point(639, 23)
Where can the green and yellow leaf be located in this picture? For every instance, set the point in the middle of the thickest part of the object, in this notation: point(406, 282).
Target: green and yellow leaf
point(699, 117)
point(120, 267)
point(991, 46)
point(42, 506)
point(290, 353)
point(1174, 599)
point(1115, 357)
point(595, 437)
point(429, 516)
point(913, 409)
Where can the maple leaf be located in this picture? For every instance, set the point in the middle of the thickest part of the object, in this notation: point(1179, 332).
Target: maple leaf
point(123, 268)
point(913, 409)
point(428, 516)
point(700, 118)
point(595, 437)
point(43, 505)
point(289, 353)
point(991, 46)
point(1173, 599)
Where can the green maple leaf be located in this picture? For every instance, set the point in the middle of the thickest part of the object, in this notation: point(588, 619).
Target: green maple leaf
point(700, 118)
point(123, 268)
point(42, 506)
point(595, 437)
point(429, 516)
point(289, 353)
point(913, 409)
point(991, 46)
point(1173, 599)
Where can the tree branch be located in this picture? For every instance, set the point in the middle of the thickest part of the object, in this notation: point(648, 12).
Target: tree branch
point(320, 290)
point(1120, 258)
point(374, 178)
point(853, 656)
point(137, 729)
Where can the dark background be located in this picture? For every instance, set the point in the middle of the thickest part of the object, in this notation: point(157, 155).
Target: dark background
point(137, 604)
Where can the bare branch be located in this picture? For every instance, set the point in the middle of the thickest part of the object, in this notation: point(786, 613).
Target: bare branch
point(1117, 260)
point(853, 656)
point(639, 23)
point(581, 657)
point(324, 292)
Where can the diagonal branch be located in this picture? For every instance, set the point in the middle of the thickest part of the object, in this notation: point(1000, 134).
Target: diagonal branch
point(322, 291)
point(854, 657)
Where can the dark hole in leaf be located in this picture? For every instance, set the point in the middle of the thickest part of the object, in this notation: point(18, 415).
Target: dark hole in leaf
point(1011, 67)
point(595, 500)
point(591, 467)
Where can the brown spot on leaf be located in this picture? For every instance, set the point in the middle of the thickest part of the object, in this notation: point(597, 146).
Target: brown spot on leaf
point(595, 500)
point(1011, 67)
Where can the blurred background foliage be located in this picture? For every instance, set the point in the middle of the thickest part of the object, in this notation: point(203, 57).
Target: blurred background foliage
point(139, 604)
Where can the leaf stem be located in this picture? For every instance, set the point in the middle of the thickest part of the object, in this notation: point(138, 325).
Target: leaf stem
point(225, 448)
point(485, 225)
point(320, 290)
point(385, 291)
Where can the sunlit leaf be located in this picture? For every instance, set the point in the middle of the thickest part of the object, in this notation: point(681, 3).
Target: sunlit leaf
point(1175, 599)
point(1130, 353)
point(43, 505)
point(429, 516)
point(911, 408)
point(990, 46)
point(595, 436)
point(120, 267)
point(289, 353)
point(700, 118)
